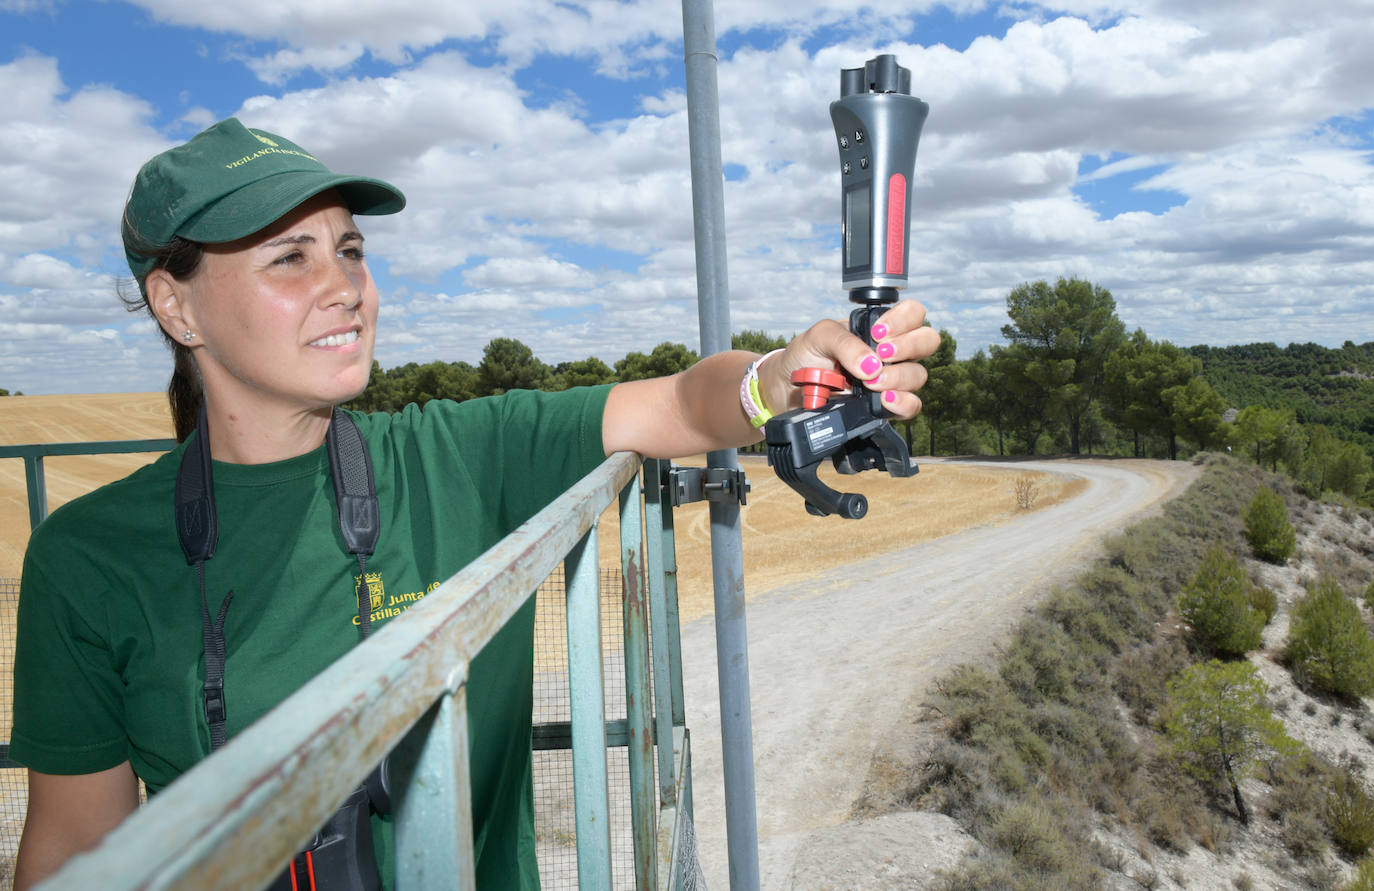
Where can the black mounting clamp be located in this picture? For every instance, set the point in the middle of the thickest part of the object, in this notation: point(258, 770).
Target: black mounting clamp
point(687, 485)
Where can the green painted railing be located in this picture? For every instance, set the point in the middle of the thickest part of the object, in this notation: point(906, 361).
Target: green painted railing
point(235, 819)
point(34, 454)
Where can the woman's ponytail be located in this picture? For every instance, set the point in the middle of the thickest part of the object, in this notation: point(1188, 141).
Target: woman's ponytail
point(183, 392)
point(181, 258)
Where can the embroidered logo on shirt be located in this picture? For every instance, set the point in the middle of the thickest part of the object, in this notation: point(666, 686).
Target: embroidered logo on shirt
point(375, 587)
point(386, 606)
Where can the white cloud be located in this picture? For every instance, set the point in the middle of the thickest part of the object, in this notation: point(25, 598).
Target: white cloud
point(67, 158)
point(281, 65)
point(43, 271)
point(527, 271)
point(1229, 106)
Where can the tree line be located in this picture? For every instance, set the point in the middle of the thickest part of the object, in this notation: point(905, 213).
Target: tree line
point(508, 364)
point(1069, 379)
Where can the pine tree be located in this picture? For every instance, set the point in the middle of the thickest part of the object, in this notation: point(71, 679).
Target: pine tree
point(1267, 529)
point(1221, 727)
point(1219, 604)
point(1327, 642)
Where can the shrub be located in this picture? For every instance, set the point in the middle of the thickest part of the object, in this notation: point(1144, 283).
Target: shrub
point(1264, 601)
point(983, 713)
point(1028, 831)
point(1364, 876)
point(1164, 818)
point(991, 872)
point(1041, 664)
point(1350, 815)
point(1303, 835)
point(1026, 491)
point(1328, 645)
point(1139, 676)
point(955, 782)
point(1267, 529)
point(1339, 562)
point(1217, 603)
point(1297, 802)
point(1159, 553)
point(1369, 596)
point(1118, 612)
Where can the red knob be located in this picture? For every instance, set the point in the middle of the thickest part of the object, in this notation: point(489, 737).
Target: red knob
point(817, 384)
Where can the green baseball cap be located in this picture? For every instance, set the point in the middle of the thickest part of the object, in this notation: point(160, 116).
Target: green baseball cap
point(228, 182)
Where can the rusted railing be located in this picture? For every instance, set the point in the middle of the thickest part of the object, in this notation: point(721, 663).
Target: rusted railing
point(238, 816)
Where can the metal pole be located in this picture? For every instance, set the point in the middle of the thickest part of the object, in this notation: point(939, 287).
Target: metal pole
point(727, 557)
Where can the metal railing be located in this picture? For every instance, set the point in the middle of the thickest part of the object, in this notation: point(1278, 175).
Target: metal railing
point(33, 455)
point(238, 816)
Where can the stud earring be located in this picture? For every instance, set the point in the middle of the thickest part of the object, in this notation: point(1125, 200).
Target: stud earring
point(189, 335)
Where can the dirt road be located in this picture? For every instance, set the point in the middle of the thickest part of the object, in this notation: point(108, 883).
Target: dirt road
point(837, 661)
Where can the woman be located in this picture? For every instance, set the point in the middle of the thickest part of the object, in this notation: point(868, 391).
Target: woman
point(246, 252)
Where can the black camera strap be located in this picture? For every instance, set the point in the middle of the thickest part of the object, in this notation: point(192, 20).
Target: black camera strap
point(355, 491)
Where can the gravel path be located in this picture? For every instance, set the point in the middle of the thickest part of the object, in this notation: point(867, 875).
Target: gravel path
point(835, 662)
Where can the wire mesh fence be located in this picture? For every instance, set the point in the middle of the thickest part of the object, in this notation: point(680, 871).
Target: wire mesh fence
point(555, 820)
point(14, 782)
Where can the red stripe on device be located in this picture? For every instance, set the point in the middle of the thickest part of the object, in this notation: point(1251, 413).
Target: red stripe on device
point(896, 222)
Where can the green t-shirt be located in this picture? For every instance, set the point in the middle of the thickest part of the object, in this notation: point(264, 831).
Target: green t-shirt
point(108, 665)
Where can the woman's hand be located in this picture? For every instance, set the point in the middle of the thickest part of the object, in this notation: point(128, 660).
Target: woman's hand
point(893, 369)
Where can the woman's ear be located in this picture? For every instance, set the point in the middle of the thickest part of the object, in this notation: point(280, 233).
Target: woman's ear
point(166, 298)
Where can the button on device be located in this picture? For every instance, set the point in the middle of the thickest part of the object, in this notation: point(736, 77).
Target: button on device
point(844, 142)
point(859, 136)
point(847, 169)
point(863, 162)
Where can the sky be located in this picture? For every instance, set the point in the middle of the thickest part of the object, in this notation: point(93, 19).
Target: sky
point(1207, 163)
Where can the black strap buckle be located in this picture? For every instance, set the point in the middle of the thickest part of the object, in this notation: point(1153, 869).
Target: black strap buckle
point(214, 700)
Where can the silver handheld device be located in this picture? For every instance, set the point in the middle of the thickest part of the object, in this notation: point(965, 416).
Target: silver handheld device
point(877, 127)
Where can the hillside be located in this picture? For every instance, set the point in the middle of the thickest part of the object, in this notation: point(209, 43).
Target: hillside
point(1052, 758)
point(1327, 386)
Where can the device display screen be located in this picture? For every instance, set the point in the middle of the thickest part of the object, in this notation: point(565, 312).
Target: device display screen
point(858, 237)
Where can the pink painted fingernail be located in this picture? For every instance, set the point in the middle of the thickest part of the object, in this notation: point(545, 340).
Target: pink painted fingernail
point(871, 366)
point(890, 396)
point(879, 331)
point(886, 350)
